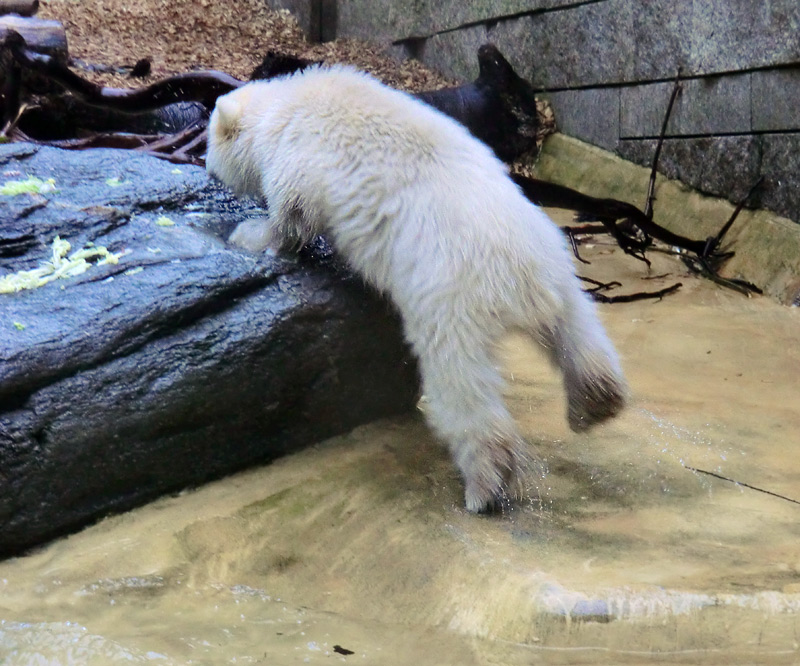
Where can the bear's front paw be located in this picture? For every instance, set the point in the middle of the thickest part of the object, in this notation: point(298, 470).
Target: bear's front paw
point(252, 235)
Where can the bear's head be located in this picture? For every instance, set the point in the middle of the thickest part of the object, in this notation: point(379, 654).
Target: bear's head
point(230, 157)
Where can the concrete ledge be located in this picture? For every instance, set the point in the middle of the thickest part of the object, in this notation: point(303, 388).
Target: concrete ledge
point(767, 245)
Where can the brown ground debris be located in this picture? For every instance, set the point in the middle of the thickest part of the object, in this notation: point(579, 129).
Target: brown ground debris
point(182, 35)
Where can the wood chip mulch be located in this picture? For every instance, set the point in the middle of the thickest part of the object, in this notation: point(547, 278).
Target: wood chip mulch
point(233, 37)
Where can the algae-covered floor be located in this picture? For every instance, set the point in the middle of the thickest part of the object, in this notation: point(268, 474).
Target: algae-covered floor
point(629, 555)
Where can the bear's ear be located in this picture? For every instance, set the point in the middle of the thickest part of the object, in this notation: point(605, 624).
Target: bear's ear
point(229, 111)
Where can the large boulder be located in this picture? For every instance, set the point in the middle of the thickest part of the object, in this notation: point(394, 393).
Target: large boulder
point(185, 360)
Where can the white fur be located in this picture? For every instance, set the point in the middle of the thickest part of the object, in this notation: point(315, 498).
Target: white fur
point(427, 214)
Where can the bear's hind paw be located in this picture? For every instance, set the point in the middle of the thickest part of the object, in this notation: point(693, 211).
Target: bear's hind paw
point(596, 400)
point(498, 482)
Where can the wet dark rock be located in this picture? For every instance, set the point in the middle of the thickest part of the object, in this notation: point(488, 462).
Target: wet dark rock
point(185, 361)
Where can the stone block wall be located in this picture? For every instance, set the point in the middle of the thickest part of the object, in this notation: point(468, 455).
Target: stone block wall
point(608, 65)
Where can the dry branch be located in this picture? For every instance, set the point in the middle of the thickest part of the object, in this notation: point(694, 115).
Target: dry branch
point(638, 296)
point(708, 260)
point(651, 186)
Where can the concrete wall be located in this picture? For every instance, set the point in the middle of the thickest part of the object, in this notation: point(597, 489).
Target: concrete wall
point(607, 66)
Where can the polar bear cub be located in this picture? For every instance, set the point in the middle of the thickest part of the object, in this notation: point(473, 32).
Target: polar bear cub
point(426, 214)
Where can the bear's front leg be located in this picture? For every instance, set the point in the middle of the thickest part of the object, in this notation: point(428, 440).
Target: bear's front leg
point(287, 231)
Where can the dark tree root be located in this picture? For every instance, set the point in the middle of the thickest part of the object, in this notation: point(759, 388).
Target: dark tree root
point(499, 107)
point(10, 95)
point(166, 148)
point(185, 146)
point(608, 211)
point(203, 87)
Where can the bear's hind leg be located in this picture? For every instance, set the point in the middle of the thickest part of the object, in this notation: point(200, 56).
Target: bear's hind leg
point(593, 379)
point(465, 408)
